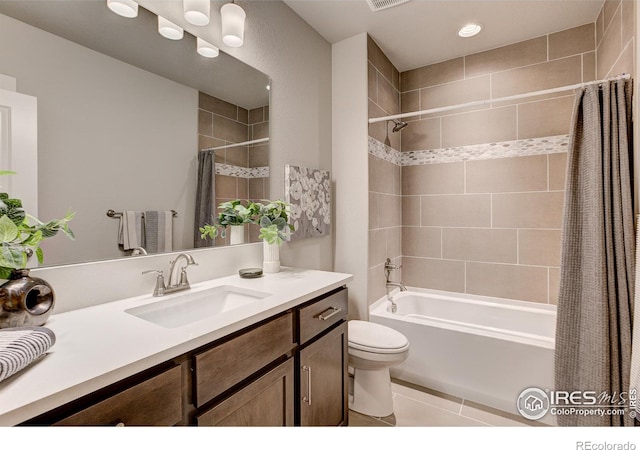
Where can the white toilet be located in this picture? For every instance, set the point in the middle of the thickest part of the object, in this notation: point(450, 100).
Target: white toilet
point(373, 348)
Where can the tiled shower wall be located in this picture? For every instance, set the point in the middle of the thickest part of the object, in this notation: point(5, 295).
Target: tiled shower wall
point(615, 38)
point(222, 123)
point(483, 223)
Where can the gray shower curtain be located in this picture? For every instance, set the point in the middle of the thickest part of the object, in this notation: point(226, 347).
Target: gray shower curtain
point(593, 334)
point(205, 197)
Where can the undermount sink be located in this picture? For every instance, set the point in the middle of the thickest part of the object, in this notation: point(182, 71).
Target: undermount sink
point(190, 306)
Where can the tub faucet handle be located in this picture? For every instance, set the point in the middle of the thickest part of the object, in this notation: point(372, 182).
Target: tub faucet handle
point(389, 266)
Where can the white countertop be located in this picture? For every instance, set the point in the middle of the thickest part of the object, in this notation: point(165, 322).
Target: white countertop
point(102, 344)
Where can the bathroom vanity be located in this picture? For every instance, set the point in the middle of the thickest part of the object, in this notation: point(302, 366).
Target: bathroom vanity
point(281, 360)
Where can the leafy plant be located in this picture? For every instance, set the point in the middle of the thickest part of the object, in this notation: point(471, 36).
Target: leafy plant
point(272, 218)
point(21, 234)
point(232, 213)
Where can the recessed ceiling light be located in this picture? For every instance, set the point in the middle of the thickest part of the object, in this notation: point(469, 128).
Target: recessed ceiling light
point(469, 30)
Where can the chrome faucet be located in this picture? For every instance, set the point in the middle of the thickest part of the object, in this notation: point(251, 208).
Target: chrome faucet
point(388, 268)
point(160, 289)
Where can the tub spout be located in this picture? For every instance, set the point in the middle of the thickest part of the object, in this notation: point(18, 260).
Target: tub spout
point(396, 284)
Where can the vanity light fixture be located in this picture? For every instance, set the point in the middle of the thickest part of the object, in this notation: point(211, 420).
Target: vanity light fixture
point(169, 29)
point(233, 17)
point(469, 30)
point(124, 8)
point(206, 49)
point(196, 12)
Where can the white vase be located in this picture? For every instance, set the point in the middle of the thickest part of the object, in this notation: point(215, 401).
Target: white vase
point(237, 234)
point(271, 257)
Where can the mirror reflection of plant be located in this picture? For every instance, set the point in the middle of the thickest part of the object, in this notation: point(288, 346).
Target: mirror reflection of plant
point(232, 213)
point(21, 234)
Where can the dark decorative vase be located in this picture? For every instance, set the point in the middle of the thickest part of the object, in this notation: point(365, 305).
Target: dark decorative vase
point(25, 301)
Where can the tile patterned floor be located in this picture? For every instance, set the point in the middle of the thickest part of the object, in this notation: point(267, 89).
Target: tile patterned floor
point(415, 406)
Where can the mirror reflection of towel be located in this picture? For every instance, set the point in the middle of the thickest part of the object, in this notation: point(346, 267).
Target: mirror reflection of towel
point(158, 231)
point(131, 230)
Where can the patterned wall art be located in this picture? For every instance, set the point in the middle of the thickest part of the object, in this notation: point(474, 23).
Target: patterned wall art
point(308, 191)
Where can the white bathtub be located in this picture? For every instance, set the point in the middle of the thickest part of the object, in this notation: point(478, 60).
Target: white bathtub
point(483, 349)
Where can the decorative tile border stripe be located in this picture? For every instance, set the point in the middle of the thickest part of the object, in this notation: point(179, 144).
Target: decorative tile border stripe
point(242, 172)
point(495, 150)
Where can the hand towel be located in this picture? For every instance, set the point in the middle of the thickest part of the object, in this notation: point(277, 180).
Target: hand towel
point(634, 381)
point(21, 346)
point(158, 231)
point(130, 231)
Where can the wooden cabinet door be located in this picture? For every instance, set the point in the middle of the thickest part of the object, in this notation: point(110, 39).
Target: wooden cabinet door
point(324, 380)
point(268, 401)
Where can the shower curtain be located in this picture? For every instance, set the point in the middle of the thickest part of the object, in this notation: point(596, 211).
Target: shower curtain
point(593, 334)
point(205, 197)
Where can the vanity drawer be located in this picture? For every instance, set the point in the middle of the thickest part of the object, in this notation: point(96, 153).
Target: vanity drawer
point(229, 363)
point(156, 401)
point(322, 314)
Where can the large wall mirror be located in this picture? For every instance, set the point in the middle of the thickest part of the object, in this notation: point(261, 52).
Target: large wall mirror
point(122, 116)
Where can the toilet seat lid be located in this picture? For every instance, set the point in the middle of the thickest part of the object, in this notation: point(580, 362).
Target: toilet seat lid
point(375, 338)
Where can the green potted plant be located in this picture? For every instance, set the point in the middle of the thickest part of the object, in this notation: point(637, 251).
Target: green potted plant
point(273, 217)
point(24, 300)
point(232, 214)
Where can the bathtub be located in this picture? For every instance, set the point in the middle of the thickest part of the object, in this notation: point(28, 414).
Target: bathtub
point(482, 349)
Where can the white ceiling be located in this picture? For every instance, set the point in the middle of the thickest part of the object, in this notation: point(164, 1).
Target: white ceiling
point(423, 32)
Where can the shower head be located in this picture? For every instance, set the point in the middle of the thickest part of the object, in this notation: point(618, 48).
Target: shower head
point(398, 125)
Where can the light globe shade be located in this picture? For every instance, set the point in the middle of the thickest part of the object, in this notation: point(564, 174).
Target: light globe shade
point(232, 24)
point(206, 49)
point(124, 8)
point(196, 12)
point(169, 29)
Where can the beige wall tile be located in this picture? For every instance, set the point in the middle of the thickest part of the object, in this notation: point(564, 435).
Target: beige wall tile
point(243, 188)
point(266, 113)
point(243, 115)
point(410, 102)
point(433, 74)
point(609, 10)
point(539, 247)
point(388, 96)
point(221, 156)
point(397, 180)
point(528, 210)
point(381, 176)
point(256, 188)
point(491, 125)
point(376, 130)
point(456, 210)
point(226, 187)
point(421, 135)
point(238, 156)
point(589, 67)
point(445, 178)
point(372, 83)
point(377, 57)
point(457, 92)
point(545, 118)
point(474, 244)
point(209, 142)
point(205, 123)
point(433, 274)
point(376, 289)
point(260, 130)
point(256, 115)
point(572, 41)
point(519, 174)
point(625, 63)
point(557, 171)
point(394, 242)
point(556, 73)
point(229, 130)
point(373, 210)
point(411, 210)
point(217, 106)
point(395, 78)
point(507, 281)
point(628, 23)
point(554, 285)
point(377, 247)
point(599, 27)
point(515, 55)
point(610, 47)
point(259, 156)
point(425, 242)
point(390, 211)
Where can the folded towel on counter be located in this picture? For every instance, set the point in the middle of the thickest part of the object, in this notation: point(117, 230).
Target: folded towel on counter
point(21, 346)
point(131, 230)
point(158, 231)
